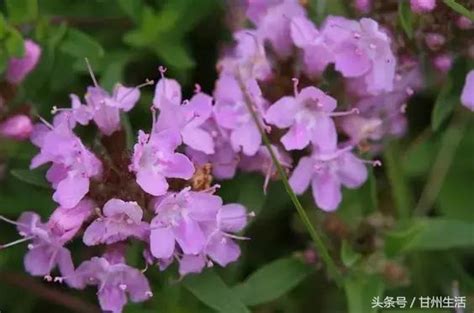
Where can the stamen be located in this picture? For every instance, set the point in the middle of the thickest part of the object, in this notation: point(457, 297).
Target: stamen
point(149, 294)
point(153, 121)
point(148, 82)
point(210, 263)
point(123, 287)
point(162, 70)
point(295, 81)
point(212, 189)
point(197, 88)
point(48, 278)
point(409, 91)
point(374, 163)
point(91, 73)
point(3, 218)
point(236, 236)
point(45, 122)
point(268, 175)
point(345, 113)
point(403, 108)
point(13, 243)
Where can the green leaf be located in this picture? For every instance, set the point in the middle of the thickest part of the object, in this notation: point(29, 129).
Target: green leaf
point(449, 96)
point(444, 105)
point(348, 256)
point(14, 43)
point(272, 281)
point(32, 177)
point(175, 54)
point(80, 45)
point(459, 8)
point(406, 17)
point(21, 11)
point(132, 8)
point(430, 234)
point(360, 290)
point(211, 290)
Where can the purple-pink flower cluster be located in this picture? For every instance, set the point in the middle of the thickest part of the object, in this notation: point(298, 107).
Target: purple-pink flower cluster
point(112, 197)
point(273, 78)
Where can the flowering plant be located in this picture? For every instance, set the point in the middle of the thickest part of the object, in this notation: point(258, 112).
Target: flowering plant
point(315, 106)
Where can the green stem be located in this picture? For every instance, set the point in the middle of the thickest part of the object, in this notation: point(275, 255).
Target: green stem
point(400, 191)
point(315, 236)
point(459, 8)
point(449, 144)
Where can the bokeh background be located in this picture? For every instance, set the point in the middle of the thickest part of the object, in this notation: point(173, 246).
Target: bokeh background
point(126, 41)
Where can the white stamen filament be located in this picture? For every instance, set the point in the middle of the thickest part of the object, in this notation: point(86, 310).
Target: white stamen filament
point(13, 243)
point(345, 113)
point(91, 73)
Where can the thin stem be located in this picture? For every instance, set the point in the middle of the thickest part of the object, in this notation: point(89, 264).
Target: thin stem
point(400, 191)
point(449, 145)
point(315, 236)
point(459, 8)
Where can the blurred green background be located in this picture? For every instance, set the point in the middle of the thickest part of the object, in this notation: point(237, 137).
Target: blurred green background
point(383, 250)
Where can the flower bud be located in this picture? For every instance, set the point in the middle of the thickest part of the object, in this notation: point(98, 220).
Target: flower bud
point(443, 62)
point(18, 127)
point(422, 6)
point(18, 68)
point(434, 41)
point(363, 6)
point(464, 23)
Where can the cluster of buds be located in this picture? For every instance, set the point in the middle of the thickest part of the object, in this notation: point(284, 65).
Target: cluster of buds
point(17, 125)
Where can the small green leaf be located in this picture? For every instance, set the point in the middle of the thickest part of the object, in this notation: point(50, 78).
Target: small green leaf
point(360, 290)
point(272, 281)
point(430, 234)
point(211, 290)
point(14, 43)
point(32, 177)
point(132, 8)
point(21, 11)
point(80, 45)
point(175, 54)
point(406, 17)
point(348, 256)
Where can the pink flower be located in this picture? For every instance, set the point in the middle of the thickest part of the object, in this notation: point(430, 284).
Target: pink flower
point(154, 160)
point(73, 164)
point(361, 50)
point(274, 26)
point(248, 59)
point(308, 115)
point(177, 220)
point(224, 160)
point(18, 68)
point(327, 172)
point(104, 108)
point(114, 281)
point(187, 120)
point(231, 113)
point(46, 250)
point(121, 220)
point(317, 54)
